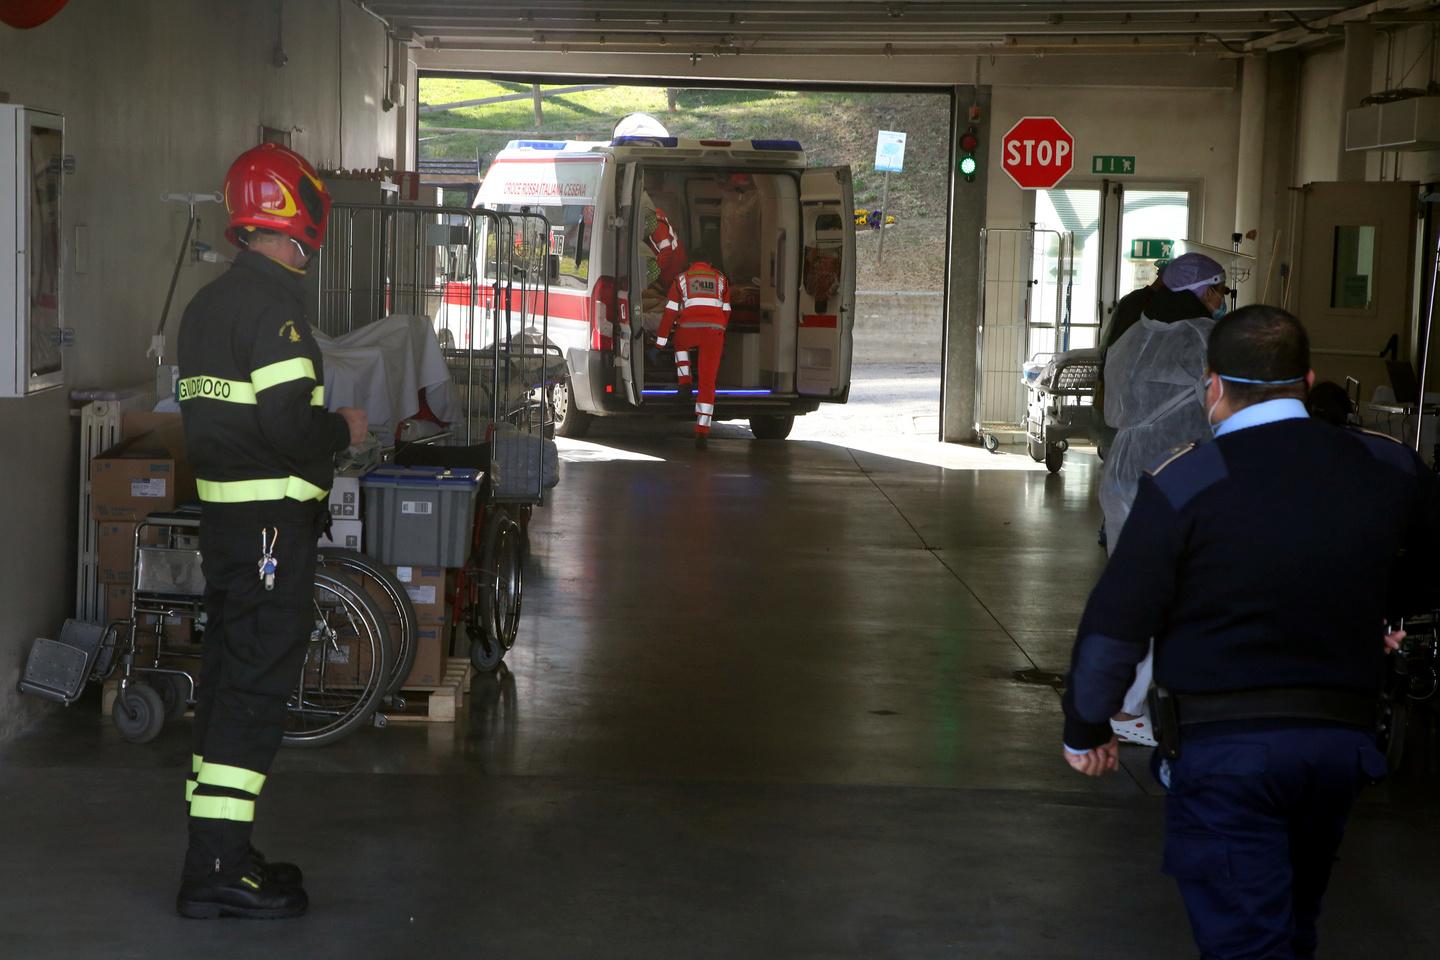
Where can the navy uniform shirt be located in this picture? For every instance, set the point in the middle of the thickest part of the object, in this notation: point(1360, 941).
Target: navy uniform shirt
point(1271, 557)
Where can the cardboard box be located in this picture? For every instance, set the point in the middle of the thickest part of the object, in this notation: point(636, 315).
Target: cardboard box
point(115, 549)
point(432, 642)
point(117, 601)
point(426, 586)
point(139, 476)
point(345, 497)
point(349, 534)
point(347, 664)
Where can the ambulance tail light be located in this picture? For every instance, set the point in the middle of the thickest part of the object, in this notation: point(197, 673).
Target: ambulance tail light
point(602, 314)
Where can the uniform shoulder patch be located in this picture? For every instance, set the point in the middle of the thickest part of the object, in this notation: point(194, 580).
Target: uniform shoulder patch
point(289, 331)
point(1387, 449)
point(1171, 457)
point(1188, 472)
point(1376, 434)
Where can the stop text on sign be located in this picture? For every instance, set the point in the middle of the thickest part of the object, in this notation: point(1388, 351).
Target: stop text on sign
point(1037, 153)
point(1046, 153)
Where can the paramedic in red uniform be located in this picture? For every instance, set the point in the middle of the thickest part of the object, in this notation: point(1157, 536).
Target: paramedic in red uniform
point(699, 311)
point(261, 443)
point(669, 251)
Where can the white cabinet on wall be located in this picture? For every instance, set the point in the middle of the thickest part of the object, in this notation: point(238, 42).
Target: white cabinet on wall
point(32, 156)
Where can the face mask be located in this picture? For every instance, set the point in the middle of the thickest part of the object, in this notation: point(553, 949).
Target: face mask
point(1220, 311)
point(1210, 413)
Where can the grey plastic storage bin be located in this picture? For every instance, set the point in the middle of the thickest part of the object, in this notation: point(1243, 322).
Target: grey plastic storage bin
point(523, 465)
point(420, 516)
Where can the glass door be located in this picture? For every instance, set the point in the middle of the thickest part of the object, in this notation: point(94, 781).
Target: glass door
point(1120, 232)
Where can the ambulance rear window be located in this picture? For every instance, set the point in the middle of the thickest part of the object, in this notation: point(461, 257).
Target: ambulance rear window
point(570, 237)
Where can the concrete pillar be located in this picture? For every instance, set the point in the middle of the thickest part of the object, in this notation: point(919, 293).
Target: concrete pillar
point(1359, 54)
point(962, 284)
point(1276, 238)
point(1250, 168)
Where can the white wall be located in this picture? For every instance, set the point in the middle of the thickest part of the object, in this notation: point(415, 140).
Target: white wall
point(1174, 135)
point(158, 96)
point(1320, 127)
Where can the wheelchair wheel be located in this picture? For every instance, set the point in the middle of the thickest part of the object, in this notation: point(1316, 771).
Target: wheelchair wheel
point(138, 712)
point(347, 664)
point(389, 595)
point(503, 561)
point(174, 693)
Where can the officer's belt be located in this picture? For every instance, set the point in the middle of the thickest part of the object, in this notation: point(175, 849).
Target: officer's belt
point(1278, 703)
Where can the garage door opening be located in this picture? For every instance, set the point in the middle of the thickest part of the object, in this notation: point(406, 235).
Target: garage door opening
point(901, 225)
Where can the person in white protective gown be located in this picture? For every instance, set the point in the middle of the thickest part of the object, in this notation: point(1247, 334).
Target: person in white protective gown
point(1154, 399)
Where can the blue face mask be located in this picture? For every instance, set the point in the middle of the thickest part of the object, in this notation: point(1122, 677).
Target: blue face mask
point(1220, 311)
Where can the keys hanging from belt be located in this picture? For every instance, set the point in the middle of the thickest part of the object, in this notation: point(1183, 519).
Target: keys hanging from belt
point(268, 563)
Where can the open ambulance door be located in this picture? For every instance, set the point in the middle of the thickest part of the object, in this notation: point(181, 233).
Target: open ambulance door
point(825, 340)
point(629, 343)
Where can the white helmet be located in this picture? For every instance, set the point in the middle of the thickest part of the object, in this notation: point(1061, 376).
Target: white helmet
point(639, 125)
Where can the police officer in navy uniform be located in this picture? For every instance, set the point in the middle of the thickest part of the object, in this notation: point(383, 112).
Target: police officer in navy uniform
point(1266, 565)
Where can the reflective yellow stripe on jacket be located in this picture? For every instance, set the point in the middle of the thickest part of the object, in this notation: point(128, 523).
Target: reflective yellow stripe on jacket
point(238, 391)
point(300, 368)
point(215, 388)
point(250, 491)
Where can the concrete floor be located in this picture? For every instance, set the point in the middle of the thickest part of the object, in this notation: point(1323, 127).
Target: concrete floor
point(763, 705)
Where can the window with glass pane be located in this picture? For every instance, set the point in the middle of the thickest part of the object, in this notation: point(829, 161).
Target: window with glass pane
point(1353, 270)
point(1149, 215)
point(1075, 211)
point(571, 226)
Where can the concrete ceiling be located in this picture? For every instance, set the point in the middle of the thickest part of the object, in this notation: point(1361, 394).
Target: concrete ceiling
point(868, 28)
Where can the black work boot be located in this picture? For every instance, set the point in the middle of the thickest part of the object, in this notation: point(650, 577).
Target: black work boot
point(282, 873)
point(701, 442)
point(250, 896)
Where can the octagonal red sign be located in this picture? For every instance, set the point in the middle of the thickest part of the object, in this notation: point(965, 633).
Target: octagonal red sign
point(1037, 153)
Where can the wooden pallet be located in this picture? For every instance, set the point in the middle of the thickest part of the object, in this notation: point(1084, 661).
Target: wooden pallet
point(441, 703)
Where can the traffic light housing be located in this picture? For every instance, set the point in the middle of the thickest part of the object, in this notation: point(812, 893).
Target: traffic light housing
point(969, 143)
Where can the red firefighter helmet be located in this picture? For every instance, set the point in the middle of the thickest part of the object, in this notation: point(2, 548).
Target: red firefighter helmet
point(273, 188)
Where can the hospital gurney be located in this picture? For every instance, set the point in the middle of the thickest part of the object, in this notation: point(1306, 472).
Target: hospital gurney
point(1059, 398)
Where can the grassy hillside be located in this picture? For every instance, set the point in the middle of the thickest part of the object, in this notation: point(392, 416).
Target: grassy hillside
point(835, 128)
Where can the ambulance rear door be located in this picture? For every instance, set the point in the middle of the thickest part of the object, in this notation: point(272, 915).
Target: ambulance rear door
point(629, 342)
point(825, 339)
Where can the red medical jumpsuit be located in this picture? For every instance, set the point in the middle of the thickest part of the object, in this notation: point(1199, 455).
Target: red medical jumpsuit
point(699, 311)
point(669, 251)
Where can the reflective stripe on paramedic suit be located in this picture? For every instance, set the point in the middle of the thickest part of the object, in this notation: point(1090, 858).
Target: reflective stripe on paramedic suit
point(699, 311)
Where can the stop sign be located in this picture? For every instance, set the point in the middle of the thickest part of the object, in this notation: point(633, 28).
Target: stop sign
point(1037, 153)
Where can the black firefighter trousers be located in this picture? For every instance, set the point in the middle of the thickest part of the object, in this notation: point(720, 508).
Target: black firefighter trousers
point(254, 648)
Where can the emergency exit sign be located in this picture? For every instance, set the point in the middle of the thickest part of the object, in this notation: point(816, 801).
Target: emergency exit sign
point(1152, 249)
point(1107, 164)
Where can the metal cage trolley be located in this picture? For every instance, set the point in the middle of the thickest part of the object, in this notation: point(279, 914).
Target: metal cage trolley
point(1025, 278)
point(492, 271)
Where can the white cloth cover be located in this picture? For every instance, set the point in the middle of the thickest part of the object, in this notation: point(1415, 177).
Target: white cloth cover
point(381, 368)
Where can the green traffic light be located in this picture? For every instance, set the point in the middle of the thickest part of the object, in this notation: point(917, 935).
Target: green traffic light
point(968, 166)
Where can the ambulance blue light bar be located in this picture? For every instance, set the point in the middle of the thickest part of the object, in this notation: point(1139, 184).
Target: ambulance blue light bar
point(776, 145)
point(539, 144)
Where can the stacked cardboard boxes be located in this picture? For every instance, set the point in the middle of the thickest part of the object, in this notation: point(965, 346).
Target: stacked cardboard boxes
point(146, 472)
point(426, 587)
point(347, 523)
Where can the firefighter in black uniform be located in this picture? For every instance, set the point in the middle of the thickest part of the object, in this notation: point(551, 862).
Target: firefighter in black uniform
point(1265, 564)
point(261, 443)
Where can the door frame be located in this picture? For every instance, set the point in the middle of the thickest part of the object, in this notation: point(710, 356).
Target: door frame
point(1112, 233)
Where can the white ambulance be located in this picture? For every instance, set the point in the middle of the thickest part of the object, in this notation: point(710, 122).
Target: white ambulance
point(782, 232)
